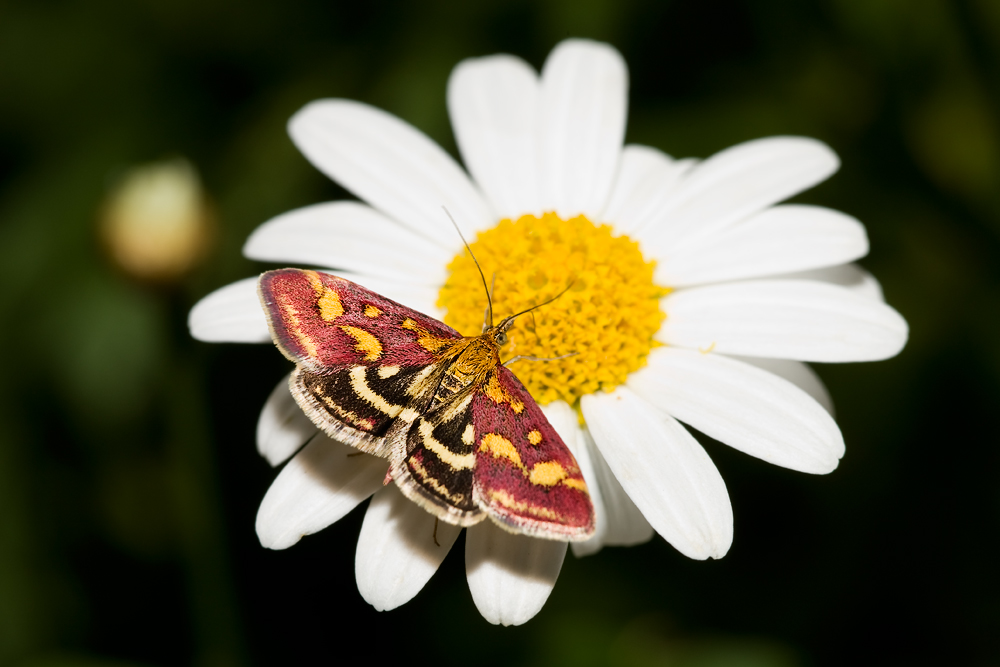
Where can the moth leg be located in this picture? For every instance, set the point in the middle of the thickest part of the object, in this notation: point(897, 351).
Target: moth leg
point(435, 535)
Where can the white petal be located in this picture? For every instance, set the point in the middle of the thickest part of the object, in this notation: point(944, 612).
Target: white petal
point(777, 240)
point(397, 553)
point(420, 298)
point(645, 180)
point(389, 164)
point(282, 428)
point(742, 406)
point(665, 472)
point(510, 576)
point(564, 421)
point(583, 106)
point(738, 182)
point(784, 319)
point(625, 524)
point(493, 104)
point(230, 314)
point(798, 373)
point(324, 481)
point(851, 276)
point(351, 237)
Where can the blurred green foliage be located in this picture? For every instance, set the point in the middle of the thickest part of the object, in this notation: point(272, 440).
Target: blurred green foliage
point(128, 477)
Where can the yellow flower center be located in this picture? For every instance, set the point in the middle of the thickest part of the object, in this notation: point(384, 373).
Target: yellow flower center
point(606, 318)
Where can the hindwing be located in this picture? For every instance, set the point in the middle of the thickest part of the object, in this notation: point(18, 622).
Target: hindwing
point(357, 405)
point(436, 462)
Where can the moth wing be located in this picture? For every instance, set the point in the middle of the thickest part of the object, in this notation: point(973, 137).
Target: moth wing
point(323, 322)
point(526, 479)
point(434, 461)
point(359, 405)
point(363, 360)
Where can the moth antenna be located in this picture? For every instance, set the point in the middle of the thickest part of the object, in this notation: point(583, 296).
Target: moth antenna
point(489, 296)
point(488, 313)
point(511, 318)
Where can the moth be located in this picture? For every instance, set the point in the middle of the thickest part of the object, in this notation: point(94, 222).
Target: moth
point(463, 437)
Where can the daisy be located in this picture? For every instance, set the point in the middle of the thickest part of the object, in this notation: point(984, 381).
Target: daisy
point(695, 297)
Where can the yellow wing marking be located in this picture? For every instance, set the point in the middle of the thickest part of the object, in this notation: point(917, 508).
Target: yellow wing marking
point(534, 437)
point(547, 473)
point(294, 324)
point(499, 395)
point(415, 466)
point(385, 372)
point(364, 342)
point(543, 473)
point(346, 415)
point(372, 311)
point(469, 435)
point(506, 500)
point(360, 386)
point(327, 300)
point(315, 281)
point(498, 446)
point(425, 338)
point(494, 390)
point(329, 304)
point(455, 461)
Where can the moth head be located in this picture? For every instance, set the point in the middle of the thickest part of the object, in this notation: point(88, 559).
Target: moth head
point(499, 332)
point(501, 335)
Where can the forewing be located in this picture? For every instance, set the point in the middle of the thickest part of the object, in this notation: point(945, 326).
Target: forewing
point(435, 468)
point(324, 322)
point(364, 361)
point(525, 477)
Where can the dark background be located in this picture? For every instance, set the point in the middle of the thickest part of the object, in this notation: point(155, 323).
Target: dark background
point(128, 476)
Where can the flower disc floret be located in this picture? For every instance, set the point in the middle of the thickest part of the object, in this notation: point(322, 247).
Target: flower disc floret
point(605, 318)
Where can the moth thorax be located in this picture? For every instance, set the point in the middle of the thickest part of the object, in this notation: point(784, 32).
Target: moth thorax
point(478, 358)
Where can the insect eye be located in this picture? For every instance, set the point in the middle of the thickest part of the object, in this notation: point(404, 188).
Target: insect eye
point(502, 338)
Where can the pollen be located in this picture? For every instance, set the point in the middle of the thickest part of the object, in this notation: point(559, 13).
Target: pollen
point(605, 319)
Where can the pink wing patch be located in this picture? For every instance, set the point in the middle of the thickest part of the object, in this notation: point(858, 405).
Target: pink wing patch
point(525, 476)
point(324, 322)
